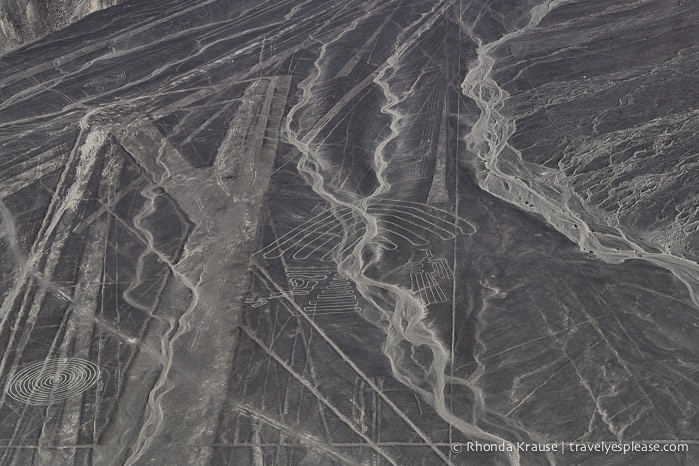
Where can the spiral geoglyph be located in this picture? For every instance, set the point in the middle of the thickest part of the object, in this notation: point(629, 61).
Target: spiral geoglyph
point(53, 380)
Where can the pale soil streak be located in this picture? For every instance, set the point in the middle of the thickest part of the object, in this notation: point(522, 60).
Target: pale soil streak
point(79, 327)
point(60, 212)
point(217, 250)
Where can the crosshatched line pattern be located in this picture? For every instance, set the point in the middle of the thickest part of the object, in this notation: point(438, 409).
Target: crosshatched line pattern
point(53, 380)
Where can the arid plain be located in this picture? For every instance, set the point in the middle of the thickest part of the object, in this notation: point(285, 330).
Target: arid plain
point(350, 233)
